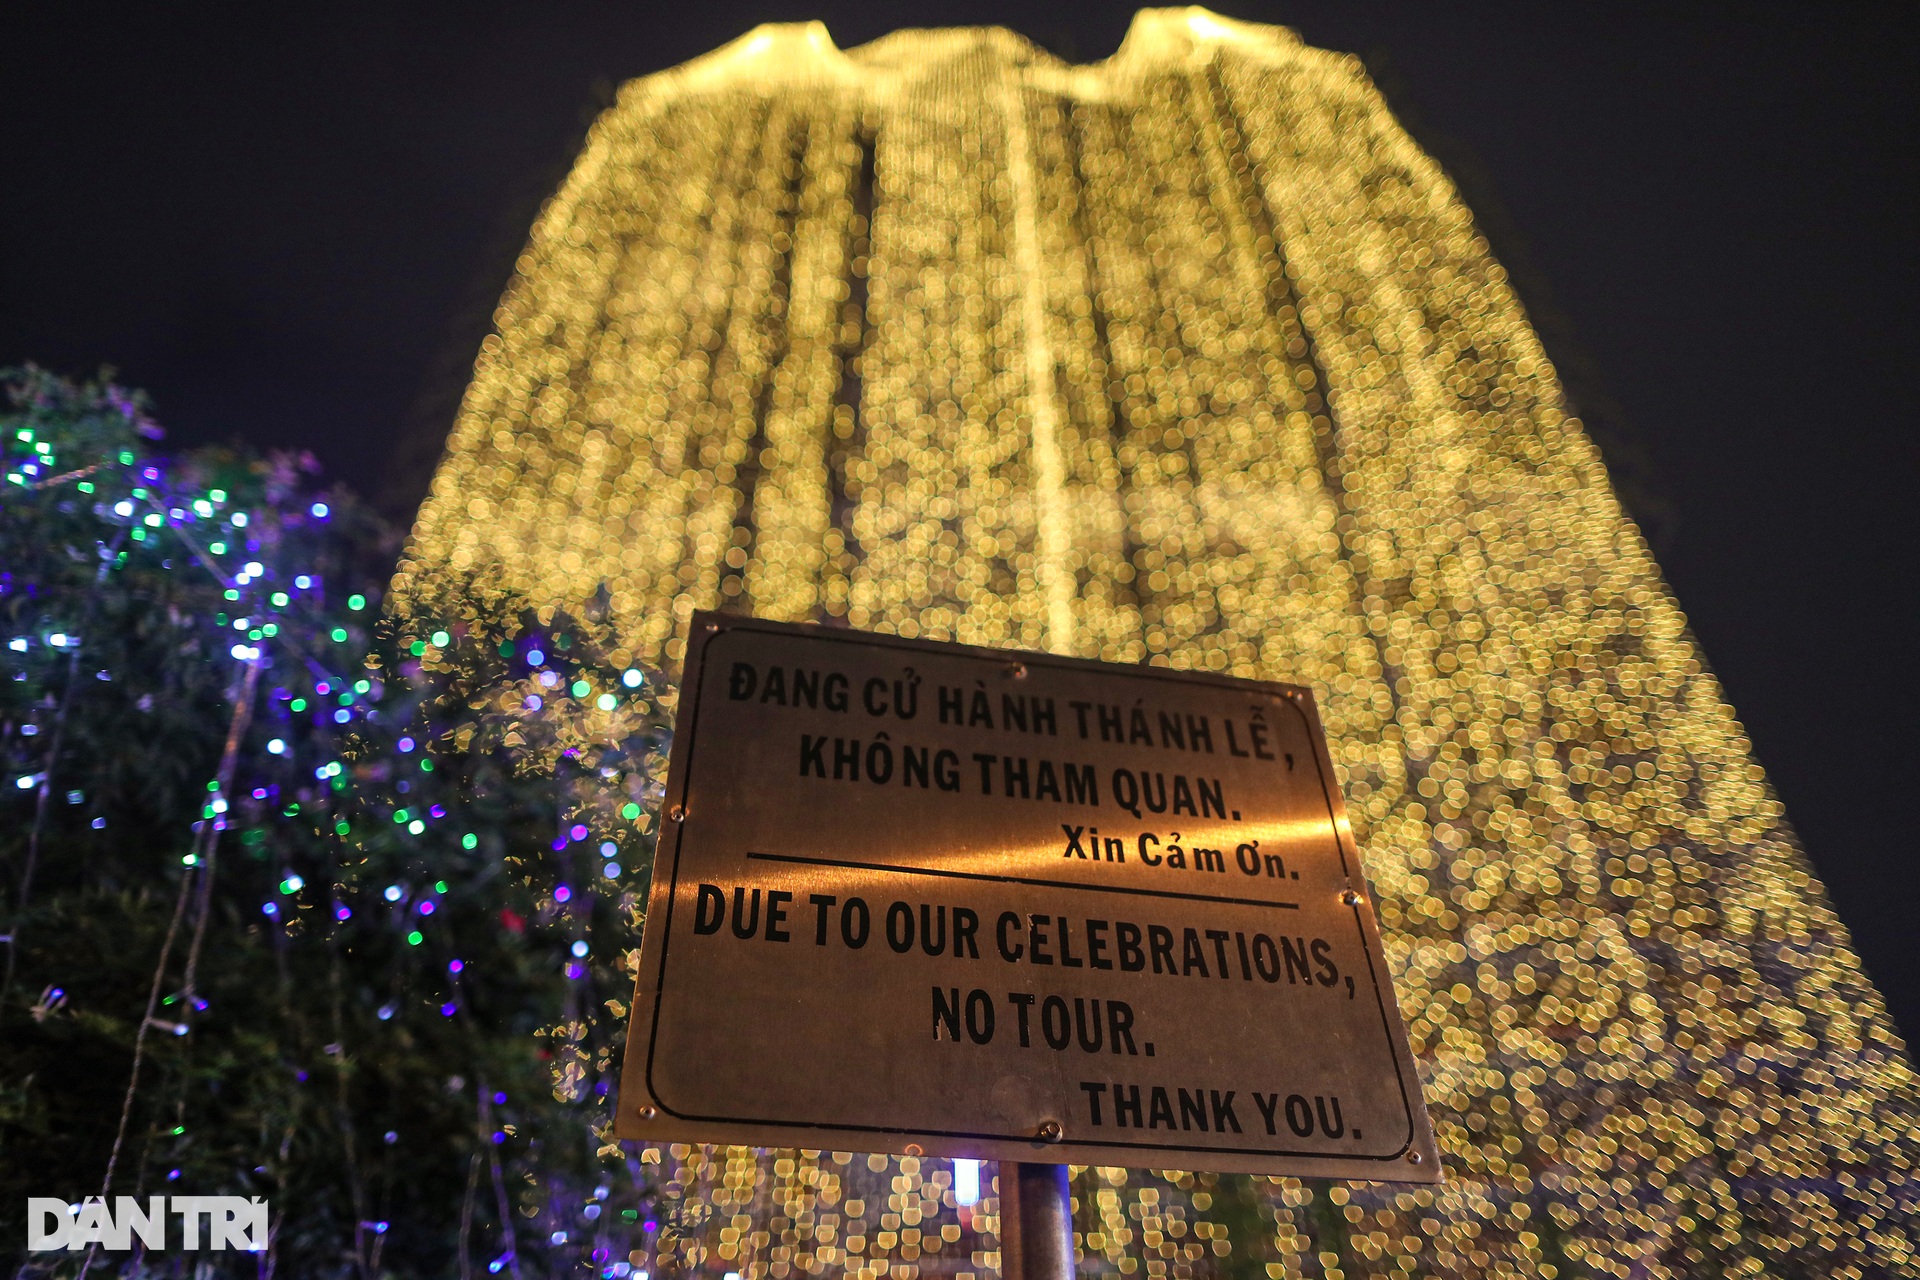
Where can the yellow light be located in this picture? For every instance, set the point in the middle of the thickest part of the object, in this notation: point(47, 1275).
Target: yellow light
point(1191, 357)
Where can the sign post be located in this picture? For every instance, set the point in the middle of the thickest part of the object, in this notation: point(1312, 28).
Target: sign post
point(930, 899)
point(1036, 1222)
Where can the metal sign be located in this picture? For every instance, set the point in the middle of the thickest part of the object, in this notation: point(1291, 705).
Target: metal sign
point(923, 898)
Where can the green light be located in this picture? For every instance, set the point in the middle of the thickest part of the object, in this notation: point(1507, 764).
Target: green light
point(417, 648)
point(581, 688)
point(426, 766)
point(339, 635)
point(86, 486)
point(356, 602)
point(629, 811)
point(280, 599)
point(218, 495)
point(126, 459)
point(218, 548)
point(270, 630)
point(441, 639)
point(439, 886)
point(361, 686)
point(399, 815)
point(298, 704)
point(415, 938)
point(469, 840)
point(342, 828)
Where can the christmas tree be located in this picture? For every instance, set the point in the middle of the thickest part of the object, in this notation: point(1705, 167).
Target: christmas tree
point(1191, 357)
point(299, 905)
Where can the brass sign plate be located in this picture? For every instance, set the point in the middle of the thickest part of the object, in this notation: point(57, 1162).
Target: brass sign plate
point(924, 898)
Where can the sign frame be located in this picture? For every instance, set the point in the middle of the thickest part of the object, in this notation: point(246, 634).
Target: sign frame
point(641, 1113)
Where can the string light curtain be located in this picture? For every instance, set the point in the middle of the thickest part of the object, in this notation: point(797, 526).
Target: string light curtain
point(1192, 358)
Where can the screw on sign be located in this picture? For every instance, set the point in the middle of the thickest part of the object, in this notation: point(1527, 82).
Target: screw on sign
point(1031, 909)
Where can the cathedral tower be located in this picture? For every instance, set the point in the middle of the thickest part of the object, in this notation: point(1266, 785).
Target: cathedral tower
point(1191, 357)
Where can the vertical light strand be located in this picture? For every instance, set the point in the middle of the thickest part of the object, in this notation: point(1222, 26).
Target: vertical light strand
point(1043, 408)
point(791, 510)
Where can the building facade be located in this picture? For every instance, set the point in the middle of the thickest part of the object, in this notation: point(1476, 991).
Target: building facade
point(1191, 357)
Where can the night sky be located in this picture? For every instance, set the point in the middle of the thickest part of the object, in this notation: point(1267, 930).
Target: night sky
point(290, 223)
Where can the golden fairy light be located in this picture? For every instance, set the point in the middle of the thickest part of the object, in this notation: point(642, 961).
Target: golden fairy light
point(1192, 358)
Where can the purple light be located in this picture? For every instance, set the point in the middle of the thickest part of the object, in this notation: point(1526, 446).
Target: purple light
point(342, 912)
point(405, 744)
point(499, 1098)
point(455, 966)
point(562, 894)
point(426, 906)
point(448, 1009)
point(269, 909)
point(576, 971)
point(578, 832)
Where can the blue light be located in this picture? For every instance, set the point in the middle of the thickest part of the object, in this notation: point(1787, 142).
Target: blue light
point(966, 1182)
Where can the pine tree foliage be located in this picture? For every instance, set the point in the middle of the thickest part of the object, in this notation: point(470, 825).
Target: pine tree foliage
point(299, 905)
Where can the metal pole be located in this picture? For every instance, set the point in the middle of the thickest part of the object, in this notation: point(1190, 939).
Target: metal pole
point(1036, 1222)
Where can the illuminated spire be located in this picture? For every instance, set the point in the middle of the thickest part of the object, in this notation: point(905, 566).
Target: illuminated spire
point(1191, 357)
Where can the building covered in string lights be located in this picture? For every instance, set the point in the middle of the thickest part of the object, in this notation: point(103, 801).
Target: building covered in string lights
point(1192, 358)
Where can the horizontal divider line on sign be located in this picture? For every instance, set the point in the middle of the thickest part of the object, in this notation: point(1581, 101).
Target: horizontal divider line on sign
point(1044, 884)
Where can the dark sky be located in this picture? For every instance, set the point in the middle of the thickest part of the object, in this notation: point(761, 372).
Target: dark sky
point(289, 222)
